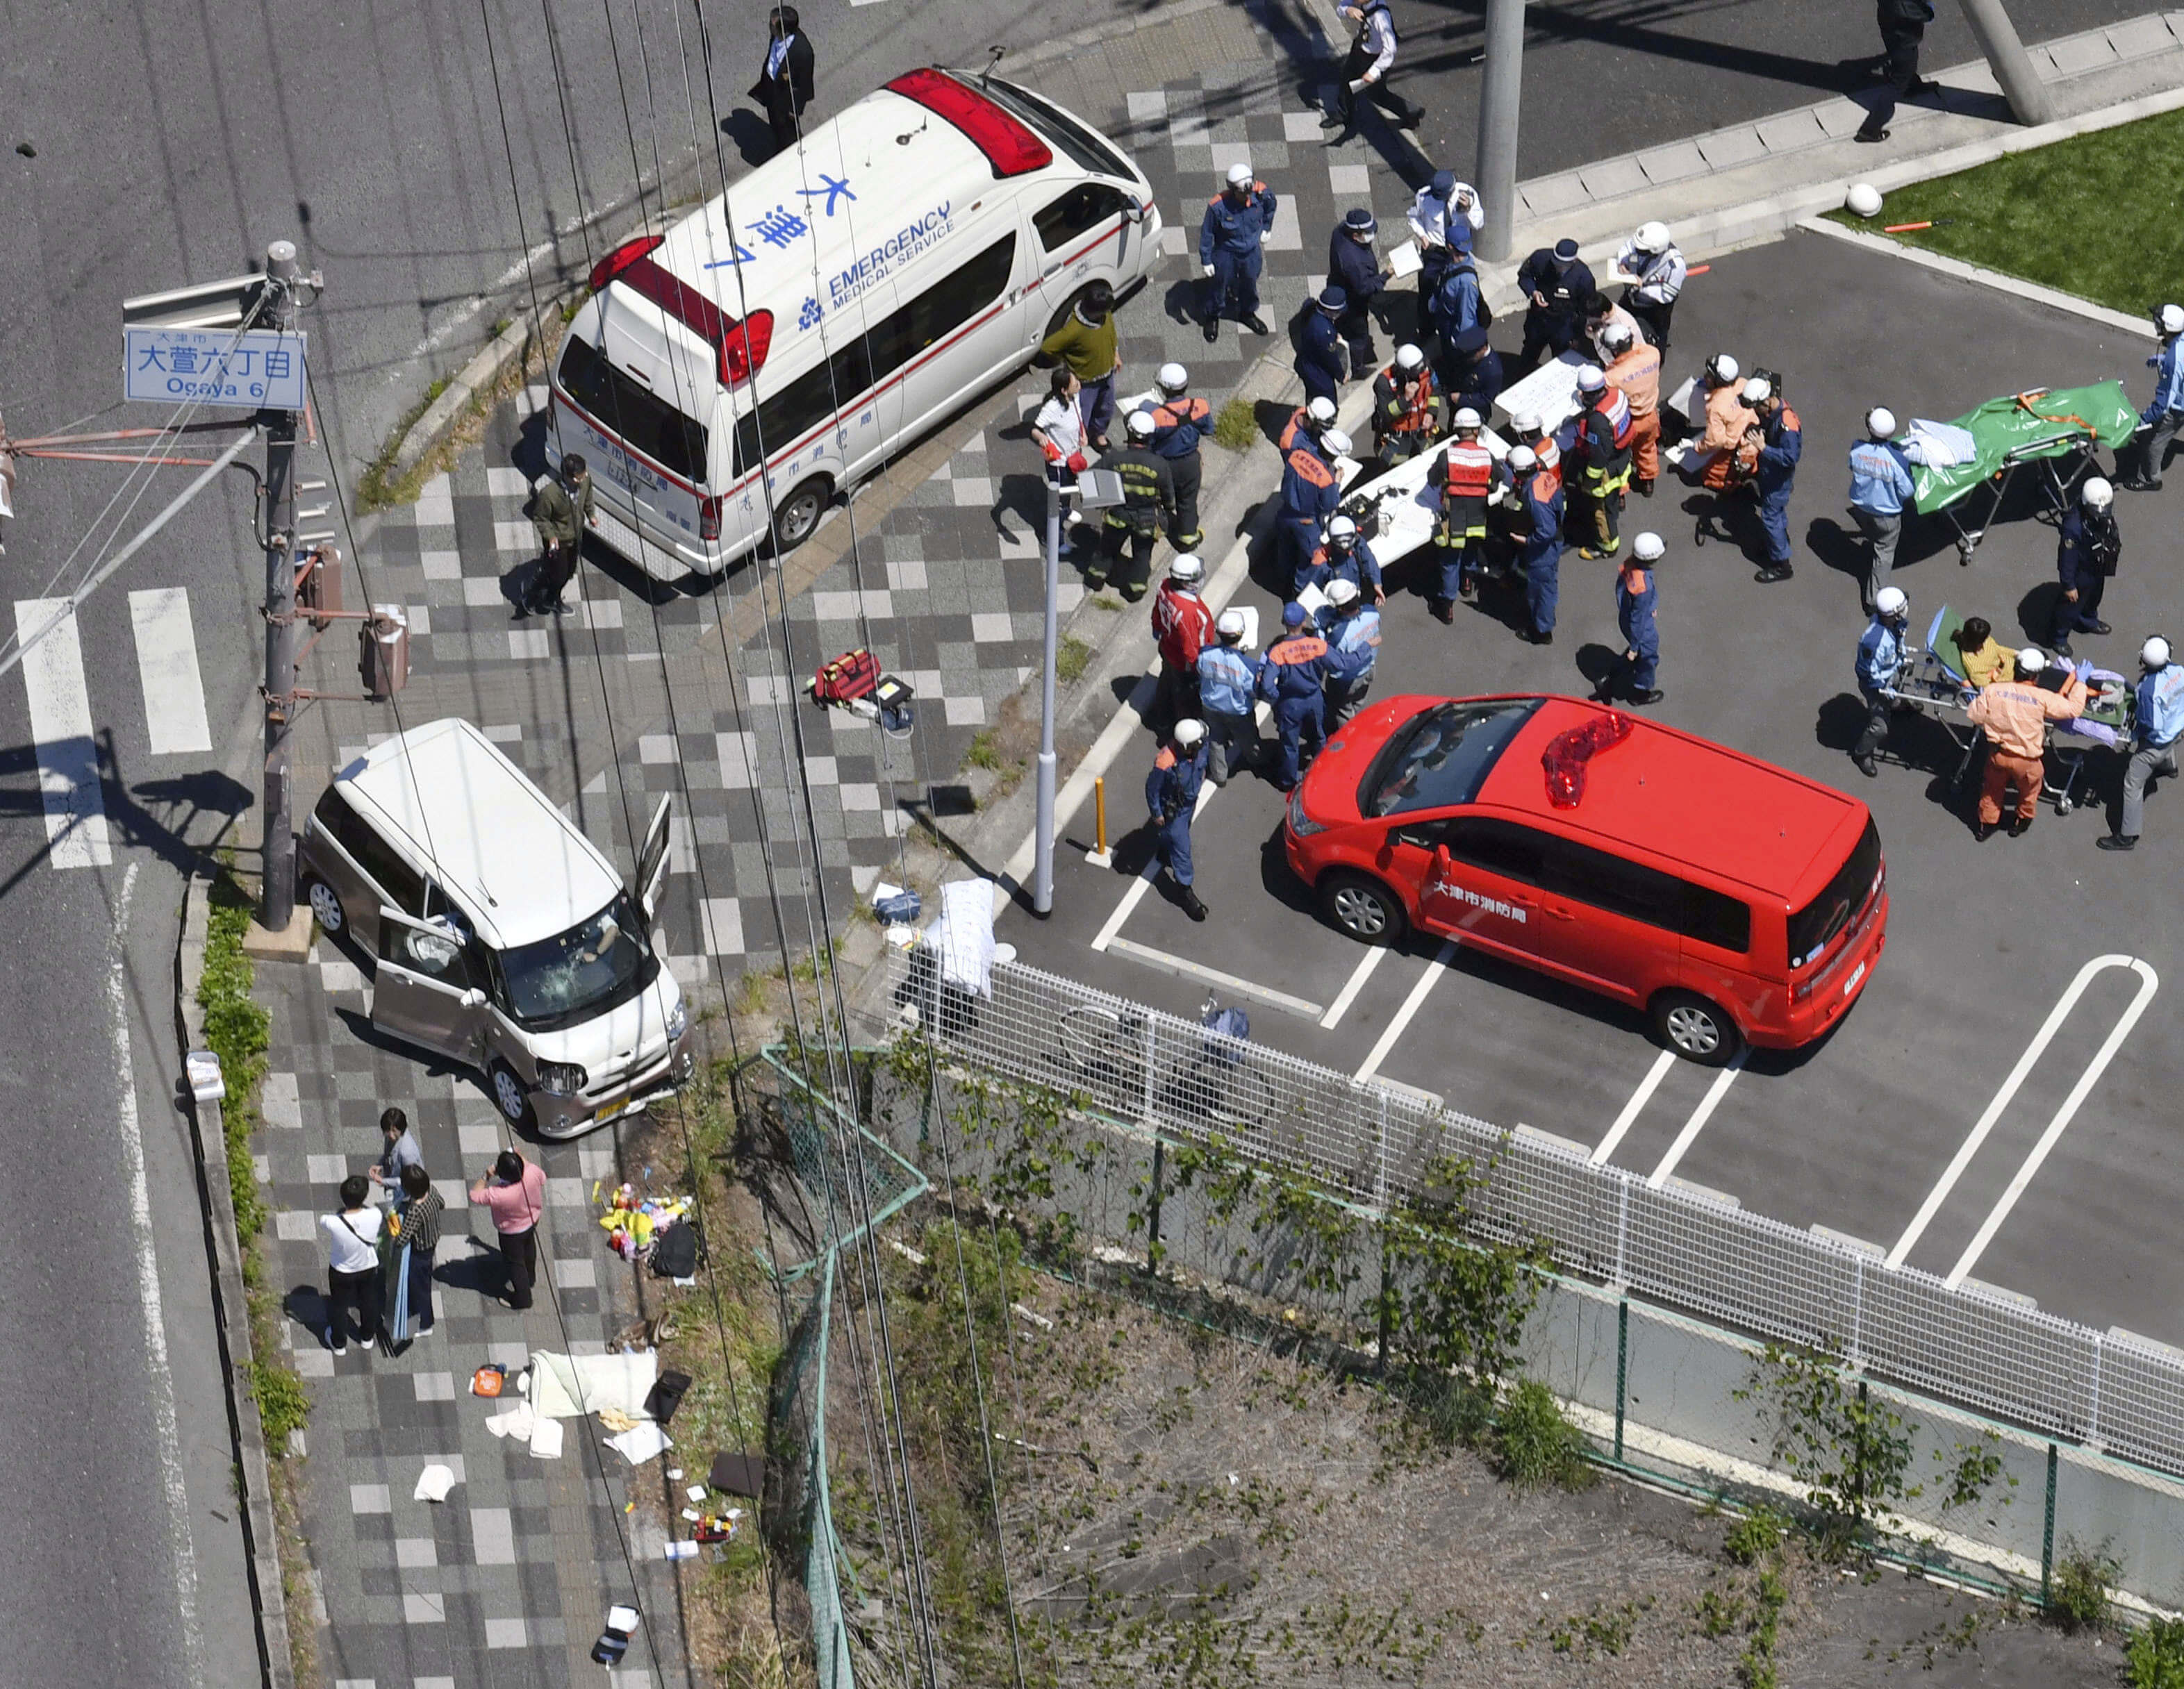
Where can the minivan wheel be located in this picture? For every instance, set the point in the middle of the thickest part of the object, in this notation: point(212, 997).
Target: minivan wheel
point(1363, 908)
point(326, 905)
point(1696, 1029)
point(509, 1096)
point(796, 518)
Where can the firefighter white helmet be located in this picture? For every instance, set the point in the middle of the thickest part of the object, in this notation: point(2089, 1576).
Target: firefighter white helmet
point(2154, 654)
point(1320, 411)
point(1647, 548)
point(1523, 457)
point(1185, 569)
point(1336, 441)
point(1410, 357)
point(1468, 418)
point(1341, 593)
point(1890, 601)
point(2097, 493)
point(1880, 422)
point(1173, 378)
point(1188, 731)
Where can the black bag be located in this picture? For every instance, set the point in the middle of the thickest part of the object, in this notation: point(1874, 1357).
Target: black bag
point(675, 1250)
point(666, 1395)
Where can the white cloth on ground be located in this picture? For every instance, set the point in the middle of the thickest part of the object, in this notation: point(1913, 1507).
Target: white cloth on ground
point(641, 1443)
point(1939, 445)
point(568, 1386)
point(962, 936)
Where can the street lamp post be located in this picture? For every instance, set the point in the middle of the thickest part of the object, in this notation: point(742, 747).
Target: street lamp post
point(1096, 489)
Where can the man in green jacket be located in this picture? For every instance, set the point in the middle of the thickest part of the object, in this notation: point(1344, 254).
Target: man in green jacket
point(1086, 344)
point(561, 510)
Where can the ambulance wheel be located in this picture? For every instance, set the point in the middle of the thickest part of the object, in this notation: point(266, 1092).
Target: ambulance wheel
point(1363, 908)
point(796, 518)
point(1696, 1029)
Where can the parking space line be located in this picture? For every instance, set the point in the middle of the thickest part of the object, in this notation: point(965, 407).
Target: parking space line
point(1363, 971)
point(1151, 872)
point(1213, 976)
point(2148, 983)
point(1412, 1004)
point(1696, 1123)
point(1635, 1106)
point(2003, 1097)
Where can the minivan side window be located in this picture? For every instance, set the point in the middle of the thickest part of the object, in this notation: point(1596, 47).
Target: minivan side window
point(404, 888)
point(1504, 848)
point(632, 412)
point(1084, 208)
point(1640, 893)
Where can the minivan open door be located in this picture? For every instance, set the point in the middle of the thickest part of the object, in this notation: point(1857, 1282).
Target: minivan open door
point(424, 993)
point(652, 860)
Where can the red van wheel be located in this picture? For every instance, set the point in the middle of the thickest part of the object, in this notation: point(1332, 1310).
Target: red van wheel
point(1362, 907)
point(1696, 1029)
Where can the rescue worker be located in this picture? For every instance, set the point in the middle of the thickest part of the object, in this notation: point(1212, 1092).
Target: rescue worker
point(2156, 722)
point(2014, 714)
point(1656, 271)
point(1464, 472)
point(1293, 677)
point(1779, 439)
point(1635, 370)
point(1353, 266)
point(1365, 71)
point(2160, 421)
point(1320, 361)
point(1879, 657)
point(1351, 629)
point(1407, 408)
point(1172, 789)
point(1342, 556)
point(1227, 688)
point(1182, 624)
point(1706, 458)
point(1457, 305)
point(1237, 220)
point(1635, 595)
point(1526, 429)
point(1307, 421)
point(1311, 491)
point(1880, 487)
point(566, 505)
point(1086, 344)
point(1556, 285)
point(1148, 506)
point(2087, 553)
point(1180, 423)
point(1605, 429)
point(1602, 313)
point(1537, 493)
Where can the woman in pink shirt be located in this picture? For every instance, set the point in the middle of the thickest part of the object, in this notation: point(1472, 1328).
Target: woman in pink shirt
point(516, 1192)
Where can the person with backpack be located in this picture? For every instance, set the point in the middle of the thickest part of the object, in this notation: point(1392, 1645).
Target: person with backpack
point(1457, 306)
point(514, 1192)
point(352, 1266)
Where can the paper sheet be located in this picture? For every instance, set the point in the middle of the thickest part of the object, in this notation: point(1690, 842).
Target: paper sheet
point(643, 1443)
point(433, 1483)
point(1250, 615)
point(1404, 260)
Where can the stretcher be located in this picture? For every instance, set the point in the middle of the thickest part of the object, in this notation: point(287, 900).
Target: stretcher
point(2057, 429)
point(1396, 509)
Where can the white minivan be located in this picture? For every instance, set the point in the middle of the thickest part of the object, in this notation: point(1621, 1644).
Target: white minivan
point(504, 937)
point(839, 299)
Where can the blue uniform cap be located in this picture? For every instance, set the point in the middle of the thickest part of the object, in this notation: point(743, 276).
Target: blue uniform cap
point(1292, 614)
point(1359, 221)
point(1333, 299)
point(1565, 251)
point(1459, 234)
point(1444, 184)
point(1473, 339)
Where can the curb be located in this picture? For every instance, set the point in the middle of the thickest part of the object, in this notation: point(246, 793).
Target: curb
point(473, 382)
point(231, 1307)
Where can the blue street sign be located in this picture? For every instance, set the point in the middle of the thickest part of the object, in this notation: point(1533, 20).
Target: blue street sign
point(262, 370)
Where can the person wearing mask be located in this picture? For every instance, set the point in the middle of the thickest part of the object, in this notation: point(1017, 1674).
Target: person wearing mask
point(2156, 723)
point(1536, 495)
point(2158, 422)
point(1341, 556)
point(1902, 27)
point(2014, 714)
point(1353, 266)
point(1228, 684)
point(1463, 474)
point(1709, 459)
point(1312, 489)
point(1180, 422)
point(1088, 346)
point(400, 1150)
point(783, 88)
point(1634, 369)
point(564, 506)
point(422, 1209)
point(1059, 429)
point(1443, 217)
point(1172, 789)
point(1880, 660)
point(1606, 428)
point(1309, 423)
point(1638, 668)
point(1555, 286)
point(1778, 440)
point(515, 1194)
point(1983, 658)
point(1182, 624)
point(1474, 377)
point(1602, 313)
point(1148, 506)
point(1526, 428)
point(2086, 552)
point(1880, 486)
point(1351, 629)
point(352, 1266)
point(1237, 221)
point(1293, 677)
point(1320, 362)
point(1365, 71)
point(1656, 271)
point(1456, 308)
point(1407, 408)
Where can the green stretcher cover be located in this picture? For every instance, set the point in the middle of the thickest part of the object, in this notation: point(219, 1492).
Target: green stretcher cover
point(2005, 424)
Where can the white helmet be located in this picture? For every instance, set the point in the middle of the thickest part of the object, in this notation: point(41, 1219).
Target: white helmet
point(2097, 493)
point(1239, 176)
point(1320, 411)
point(1336, 441)
point(1141, 425)
point(1410, 357)
point(1468, 418)
point(1341, 593)
point(1186, 568)
point(1890, 601)
point(1652, 237)
point(1230, 624)
point(2154, 654)
point(1722, 369)
point(1757, 390)
point(1590, 379)
point(1525, 421)
point(2170, 320)
point(1188, 731)
point(1616, 337)
point(1647, 548)
point(1864, 199)
point(2031, 660)
point(1342, 528)
point(1880, 422)
point(1523, 457)
point(1173, 378)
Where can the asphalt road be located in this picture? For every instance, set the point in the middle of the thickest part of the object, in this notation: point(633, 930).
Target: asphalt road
point(1984, 939)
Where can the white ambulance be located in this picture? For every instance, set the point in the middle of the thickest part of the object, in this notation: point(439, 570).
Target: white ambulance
point(736, 375)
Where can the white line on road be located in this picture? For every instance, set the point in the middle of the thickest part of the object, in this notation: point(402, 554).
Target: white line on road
point(2018, 1075)
point(1412, 1004)
point(1184, 966)
point(2148, 983)
point(60, 723)
point(1363, 971)
point(1140, 886)
point(167, 664)
point(1692, 1127)
point(1635, 1106)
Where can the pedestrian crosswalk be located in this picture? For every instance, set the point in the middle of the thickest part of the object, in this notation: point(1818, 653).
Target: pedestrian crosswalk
point(167, 662)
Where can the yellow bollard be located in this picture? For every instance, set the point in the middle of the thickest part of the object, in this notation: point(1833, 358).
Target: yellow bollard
point(1099, 810)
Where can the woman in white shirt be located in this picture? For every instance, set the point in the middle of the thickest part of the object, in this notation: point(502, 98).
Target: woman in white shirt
point(352, 1265)
point(1059, 429)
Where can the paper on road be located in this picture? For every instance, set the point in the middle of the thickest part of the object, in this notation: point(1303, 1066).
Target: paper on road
point(641, 1443)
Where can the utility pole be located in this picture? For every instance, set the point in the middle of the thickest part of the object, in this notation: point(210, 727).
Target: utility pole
point(1499, 96)
point(2030, 102)
point(276, 899)
point(1042, 875)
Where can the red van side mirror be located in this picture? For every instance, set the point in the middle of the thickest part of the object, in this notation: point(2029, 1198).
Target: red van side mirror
point(1443, 863)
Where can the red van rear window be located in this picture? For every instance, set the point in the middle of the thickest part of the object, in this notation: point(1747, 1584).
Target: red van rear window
point(1009, 145)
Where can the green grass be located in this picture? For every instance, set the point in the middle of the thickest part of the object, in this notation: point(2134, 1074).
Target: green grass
point(237, 1030)
point(2096, 216)
point(1072, 661)
point(1237, 426)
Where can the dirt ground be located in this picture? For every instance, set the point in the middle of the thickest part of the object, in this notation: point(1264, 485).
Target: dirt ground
point(1185, 1509)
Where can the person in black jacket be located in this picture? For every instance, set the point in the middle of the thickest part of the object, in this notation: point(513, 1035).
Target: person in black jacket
point(1353, 266)
point(1902, 27)
point(1319, 350)
point(784, 81)
point(1555, 284)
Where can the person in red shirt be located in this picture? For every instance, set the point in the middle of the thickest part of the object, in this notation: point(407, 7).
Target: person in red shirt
point(514, 1192)
point(1184, 625)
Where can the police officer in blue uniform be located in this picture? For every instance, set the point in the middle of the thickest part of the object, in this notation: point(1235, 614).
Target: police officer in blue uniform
point(1237, 220)
point(1171, 789)
point(1635, 596)
point(1310, 491)
point(2156, 724)
point(1293, 677)
point(1319, 356)
point(1555, 285)
point(1351, 628)
point(1228, 699)
point(1353, 266)
point(2087, 551)
point(1473, 372)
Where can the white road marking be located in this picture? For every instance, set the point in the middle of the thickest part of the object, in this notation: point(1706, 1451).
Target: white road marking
point(2148, 983)
point(60, 723)
point(1696, 1123)
point(1412, 1004)
point(1635, 1106)
point(2018, 1075)
point(167, 664)
point(1363, 971)
point(1235, 986)
point(1140, 886)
